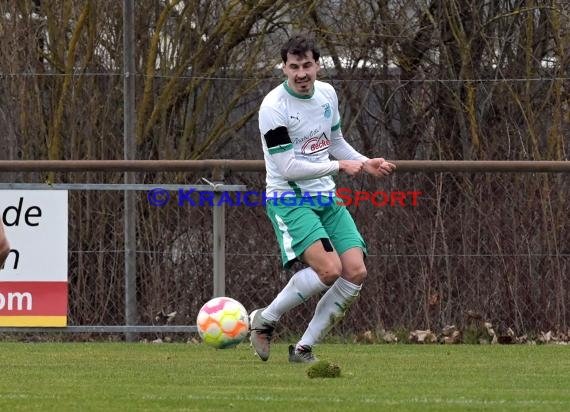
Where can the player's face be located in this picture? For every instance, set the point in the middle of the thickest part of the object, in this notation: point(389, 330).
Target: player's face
point(301, 72)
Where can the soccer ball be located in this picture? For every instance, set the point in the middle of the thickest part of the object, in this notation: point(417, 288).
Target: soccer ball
point(222, 322)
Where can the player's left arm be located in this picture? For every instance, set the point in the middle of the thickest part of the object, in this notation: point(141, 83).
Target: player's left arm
point(342, 150)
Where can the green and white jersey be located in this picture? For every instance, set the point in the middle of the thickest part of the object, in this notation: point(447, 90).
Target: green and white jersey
point(298, 134)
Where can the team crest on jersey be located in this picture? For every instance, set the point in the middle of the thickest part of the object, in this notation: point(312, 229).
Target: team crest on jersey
point(328, 111)
point(316, 144)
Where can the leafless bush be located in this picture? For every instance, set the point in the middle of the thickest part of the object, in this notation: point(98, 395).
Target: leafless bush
point(416, 80)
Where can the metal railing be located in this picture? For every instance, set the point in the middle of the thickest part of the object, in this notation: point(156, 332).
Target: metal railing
point(221, 166)
point(218, 169)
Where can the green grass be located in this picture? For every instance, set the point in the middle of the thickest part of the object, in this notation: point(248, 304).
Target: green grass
point(185, 377)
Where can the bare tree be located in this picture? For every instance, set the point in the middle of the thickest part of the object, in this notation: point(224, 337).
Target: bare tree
point(426, 79)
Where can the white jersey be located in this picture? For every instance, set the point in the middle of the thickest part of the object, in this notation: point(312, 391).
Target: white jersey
point(298, 133)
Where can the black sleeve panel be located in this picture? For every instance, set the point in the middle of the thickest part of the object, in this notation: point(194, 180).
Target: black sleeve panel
point(277, 137)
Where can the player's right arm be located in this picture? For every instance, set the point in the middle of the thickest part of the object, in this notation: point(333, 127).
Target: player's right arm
point(280, 149)
point(272, 125)
point(351, 167)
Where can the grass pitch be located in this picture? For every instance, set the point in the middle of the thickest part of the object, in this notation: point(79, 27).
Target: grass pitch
point(186, 377)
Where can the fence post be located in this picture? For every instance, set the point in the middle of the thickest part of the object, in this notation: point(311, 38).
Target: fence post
point(130, 206)
point(219, 238)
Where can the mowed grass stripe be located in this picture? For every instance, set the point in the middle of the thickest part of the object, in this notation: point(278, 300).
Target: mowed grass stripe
point(121, 376)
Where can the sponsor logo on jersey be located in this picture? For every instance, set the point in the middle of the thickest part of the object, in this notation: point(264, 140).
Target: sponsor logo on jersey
point(316, 144)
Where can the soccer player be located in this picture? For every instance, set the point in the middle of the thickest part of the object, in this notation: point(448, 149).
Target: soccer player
point(4, 245)
point(299, 123)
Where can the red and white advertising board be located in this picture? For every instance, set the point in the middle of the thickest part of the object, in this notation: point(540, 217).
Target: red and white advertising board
point(33, 280)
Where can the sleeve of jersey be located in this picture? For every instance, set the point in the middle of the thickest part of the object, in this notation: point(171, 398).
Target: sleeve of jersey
point(341, 149)
point(282, 155)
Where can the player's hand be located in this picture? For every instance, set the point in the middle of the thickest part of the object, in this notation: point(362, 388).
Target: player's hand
point(379, 167)
point(350, 167)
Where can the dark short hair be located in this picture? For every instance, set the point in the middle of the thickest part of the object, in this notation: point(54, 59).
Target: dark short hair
point(299, 45)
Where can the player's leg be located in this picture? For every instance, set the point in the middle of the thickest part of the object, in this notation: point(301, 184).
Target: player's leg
point(4, 245)
point(332, 306)
point(301, 286)
point(298, 229)
point(324, 268)
point(335, 302)
point(324, 260)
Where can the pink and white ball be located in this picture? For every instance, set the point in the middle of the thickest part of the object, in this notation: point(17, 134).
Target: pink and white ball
point(223, 323)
